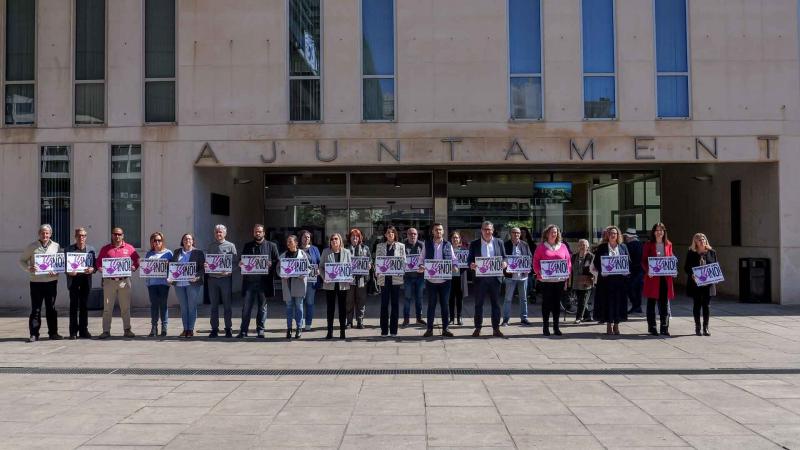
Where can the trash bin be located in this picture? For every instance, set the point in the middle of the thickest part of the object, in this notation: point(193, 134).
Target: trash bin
point(95, 301)
point(755, 280)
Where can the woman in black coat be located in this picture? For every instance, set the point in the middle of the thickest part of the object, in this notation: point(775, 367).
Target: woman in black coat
point(611, 289)
point(700, 254)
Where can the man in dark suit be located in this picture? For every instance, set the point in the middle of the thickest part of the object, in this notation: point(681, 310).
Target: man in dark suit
point(257, 288)
point(636, 280)
point(487, 246)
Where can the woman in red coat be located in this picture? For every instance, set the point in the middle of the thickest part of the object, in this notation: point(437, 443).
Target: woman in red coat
point(657, 288)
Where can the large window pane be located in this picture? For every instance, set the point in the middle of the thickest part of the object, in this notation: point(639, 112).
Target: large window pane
point(126, 191)
point(671, 36)
point(526, 98)
point(20, 39)
point(55, 186)
point(598, 36)
point(90, 42)
point(159, 101)
point(673, 96)
point(524, 36)
point(599, 98)
point(159, 39)
point(89, 104)
point(377, 22)
point(19, 104)
point(305, 95)
point(378, 99)
point(304, 37)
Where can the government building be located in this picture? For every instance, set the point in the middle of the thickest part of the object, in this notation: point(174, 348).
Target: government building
point(176, 115)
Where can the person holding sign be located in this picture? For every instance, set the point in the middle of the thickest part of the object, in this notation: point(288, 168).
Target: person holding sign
point(220, 260)
point(438, 284)
point(312, 283)
point(413, 282)
point(387, 254)
point(187, 276)
point(612, 262)
point(520, 252)
point(658, 287)
point(80, 267)
point(122, 261)
point(552, 264)
point(582, 279)
point(293, 285)
point(157, 287)
point(258, 285)
point(700, 254)
point(486, 258)
point(336, 291)
point(357, 294)
point(457, 287)
point(43, 285)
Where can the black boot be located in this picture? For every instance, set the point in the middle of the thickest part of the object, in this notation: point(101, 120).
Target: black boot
point(705, 330)
point(288, 333)
point(697, 330)
point(665, 331)
point(214, 333)
point(653, 331)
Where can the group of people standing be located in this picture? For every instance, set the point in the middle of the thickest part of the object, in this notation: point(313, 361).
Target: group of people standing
point(583, 274)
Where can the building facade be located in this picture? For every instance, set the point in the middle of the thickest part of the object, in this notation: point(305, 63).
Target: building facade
point(175, 115)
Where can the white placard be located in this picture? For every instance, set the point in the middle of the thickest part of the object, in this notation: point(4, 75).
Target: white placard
point(463, 256)
point(389, 265)
point(438, 269)
point(117, 267)
point(338, 273)
point(554, 269)
point(615, 265)
point(663, 266)
point(293, 268)
point(76, 262)
point(360, 265)
point(182, 271)
point(489, 266)
point(413, 262)
point(518, 264)
point(255, 264)
point(154, 268)
point(46, 263)
point(708, 274)
point(219, 263)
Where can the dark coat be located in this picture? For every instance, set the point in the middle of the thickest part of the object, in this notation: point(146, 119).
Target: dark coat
point(264, 281)
point(475, 251)
point(692, 261)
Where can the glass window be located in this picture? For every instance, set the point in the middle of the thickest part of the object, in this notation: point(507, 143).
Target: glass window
point(287, 186)
point(159, 61)
point(672, 62)
point(305, 60)
point(126, 191)
point(55, 188)
point(20, 61)
point(377, 55)
point(391, 185)
point(599, 68)
point(90, 61)
point(525, 58)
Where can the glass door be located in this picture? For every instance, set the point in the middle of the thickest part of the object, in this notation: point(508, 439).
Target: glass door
point(321, 217)
point(373, 217)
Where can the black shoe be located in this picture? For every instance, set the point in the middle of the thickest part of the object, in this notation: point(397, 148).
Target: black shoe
point(213, 334)
point(420, 321)
point(56, 337)
point(525, 322)
point(405, 323)
point(260, 334)
point(153, 331)
point(33, 338)
point(459, 321)
point(242, 334)
point(557, 332)
point(635, 311)
point(349, 325)
point(329, 335)
point(497, 333)
point(697, 331)
point(706, 332)
point(228, 333)
point(84, 334)
point(546, 331)
point(104, 335)
point(653, 331)
point(72, 337)
point(288, 334)
point(359, 325)
point(447, 333)
point(341, 335)
point(428, 333)
point(665, 331)
point(297, 333)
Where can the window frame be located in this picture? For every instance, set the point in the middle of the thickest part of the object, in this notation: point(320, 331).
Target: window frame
point(69, 147)
point(110, 148)
point(76, 82)
point(146, 80)
point(363, 77)
point(687, 74)
point(321, 58)
point(511, 75)
point(5, 82)
point(584, 74)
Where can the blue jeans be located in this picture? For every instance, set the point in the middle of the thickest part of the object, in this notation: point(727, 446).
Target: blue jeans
point(189, 297)
point(438, 293)
point(308, 313)
point(521, 286)
point(158, 304)
point(412, 287)
point(254, 294)
point(294, 309)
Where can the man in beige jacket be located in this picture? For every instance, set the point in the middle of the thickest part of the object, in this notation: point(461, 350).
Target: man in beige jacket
point(43, 287)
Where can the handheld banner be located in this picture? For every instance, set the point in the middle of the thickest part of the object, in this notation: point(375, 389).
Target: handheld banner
point(389, 265)
point(51, 262)
point(117, 267)
point(663, 266)
point(615, 265)
point(77, 262)
point(489, 266)
point(255, 264)
point(338, 273)
point(219, 263)
point(518, 264)
point(154, 268)
point(554, 269)
point(182, 271)
point(413, 262)
point(462, 256)
point(708, 274)
point(360, 265)
point(293, 267)
point(438, 269)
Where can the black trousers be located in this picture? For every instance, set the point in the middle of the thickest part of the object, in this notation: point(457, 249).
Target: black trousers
point(487, 287)
point(333, 297)
point(43, 293)
point(78, 297)
point(456, 297)
point(701, 303)
point(551, 302)
point(390, 304)
point(583, 301)
point(663, 306)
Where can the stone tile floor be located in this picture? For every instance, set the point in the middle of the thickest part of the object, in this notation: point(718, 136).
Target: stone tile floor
point(572, 409)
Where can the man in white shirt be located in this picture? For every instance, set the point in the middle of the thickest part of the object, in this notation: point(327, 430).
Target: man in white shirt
point(439, 290)
point(517, 281)
point(487, 287)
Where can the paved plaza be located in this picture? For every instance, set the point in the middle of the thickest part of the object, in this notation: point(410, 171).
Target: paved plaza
point(738, 389)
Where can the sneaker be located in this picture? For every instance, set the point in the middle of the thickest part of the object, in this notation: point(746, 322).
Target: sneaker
point(129, 334)
point(297, 333)
point(384, 335)
point(577, 322)
point(459, 321)
point(428, 333)
point(213, 334)
point(308, 328)
point(163, 331)
point(104, 335)
point(405, 323)
point(476, 333)
point(447, 333)
point(33, 338)
point(288, 334)
point(393, 335)
point(504, 324)
point(360, 325)
point(56, 337)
